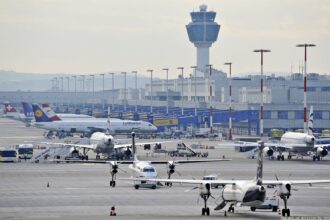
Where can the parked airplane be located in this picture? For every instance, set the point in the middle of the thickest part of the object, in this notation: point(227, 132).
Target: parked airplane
point(141, 168)
point(11, 112)
point(88, 126)
point(246, 193)
point(51, 114)
point(303, 144)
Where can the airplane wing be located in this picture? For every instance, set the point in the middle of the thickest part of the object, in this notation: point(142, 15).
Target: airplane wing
point(139, 144)
point(86, 146)
point(187, 181)
point(321, 145)
point(189, 161)
point(294, 182)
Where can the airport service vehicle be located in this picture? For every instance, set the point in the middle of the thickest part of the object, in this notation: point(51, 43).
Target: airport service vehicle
point(8, 155)
point(25, 151)
point(271, 202)
point(242, 192)
point(88, 126)
point(185, 151)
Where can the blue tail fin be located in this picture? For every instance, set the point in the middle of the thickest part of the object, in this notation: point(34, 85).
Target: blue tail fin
point(28, 110)
point(39, 114)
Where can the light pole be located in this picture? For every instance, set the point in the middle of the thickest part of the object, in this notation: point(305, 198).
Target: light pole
point(112, 91)
point(62, 91)
point(102, 74)
point(210, 99)
point(305, 83)
point(83, 88)
point(93, 91)
point(125, 97)
point(230, 137)
point(181, 68)
point(195, 88)
point(68, 81)
point(136, 91)
point(261, 115)
point(166, 69)
point(151, 98)
point(75, 92)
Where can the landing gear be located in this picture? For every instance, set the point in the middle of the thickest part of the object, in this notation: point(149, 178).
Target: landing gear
point(231, 208)
point(285, 211)
point(136, 186)
point(113, 173)
point(205, 210)
point(280, 157)
point(112, 183)
point(316, 158)
point(289, 157)
point(98, 157)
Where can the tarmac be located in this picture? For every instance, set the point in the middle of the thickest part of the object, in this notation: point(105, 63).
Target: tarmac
point(81, 191)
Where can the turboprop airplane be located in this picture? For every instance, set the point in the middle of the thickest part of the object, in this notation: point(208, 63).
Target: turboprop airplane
point(245, 193)
point(144, 169)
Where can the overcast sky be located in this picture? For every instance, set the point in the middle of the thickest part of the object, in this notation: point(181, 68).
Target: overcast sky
point(86, 36)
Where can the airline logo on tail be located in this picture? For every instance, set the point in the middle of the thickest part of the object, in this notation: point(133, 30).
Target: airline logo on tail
point(39, 114)
point(311, 121)
point(9, 108)
point(50, 113)
point(28, 110)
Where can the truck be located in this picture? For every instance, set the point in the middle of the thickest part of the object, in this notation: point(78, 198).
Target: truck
point(184, 151)
point(25, 151)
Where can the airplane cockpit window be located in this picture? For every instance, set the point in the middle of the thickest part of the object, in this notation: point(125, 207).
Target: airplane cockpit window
point(149, 170)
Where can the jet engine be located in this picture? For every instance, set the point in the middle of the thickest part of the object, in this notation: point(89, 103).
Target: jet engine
point(268, 151)
point(310, 139)
point(285, 189)
point(321, 151)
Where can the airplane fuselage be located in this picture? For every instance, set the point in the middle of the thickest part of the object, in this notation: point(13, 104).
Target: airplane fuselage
point(245, 192)
point(87, 125)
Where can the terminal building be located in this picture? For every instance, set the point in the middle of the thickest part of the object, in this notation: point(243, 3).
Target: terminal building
point(184, 102)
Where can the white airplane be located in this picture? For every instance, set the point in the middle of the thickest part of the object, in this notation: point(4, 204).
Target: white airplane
point(143, 169)
point(11, 112)
point(64, 116)
point(88, 126)
point(240, 192)
point(303, 144)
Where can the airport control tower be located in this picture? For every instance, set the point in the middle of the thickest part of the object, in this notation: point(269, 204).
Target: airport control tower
point(203, 31)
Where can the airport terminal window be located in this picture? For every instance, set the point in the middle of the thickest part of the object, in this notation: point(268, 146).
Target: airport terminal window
point(267, 115)
point(317, 114)
point(282, 114)
point(299, 115)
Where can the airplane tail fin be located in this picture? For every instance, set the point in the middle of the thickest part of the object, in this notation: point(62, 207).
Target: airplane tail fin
point(260, 162)
point(108, 121)
point(28, 110)
point(9, 108)
point(311, 121)
point(50, 113)
point(39, 114)
point(134, 147)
